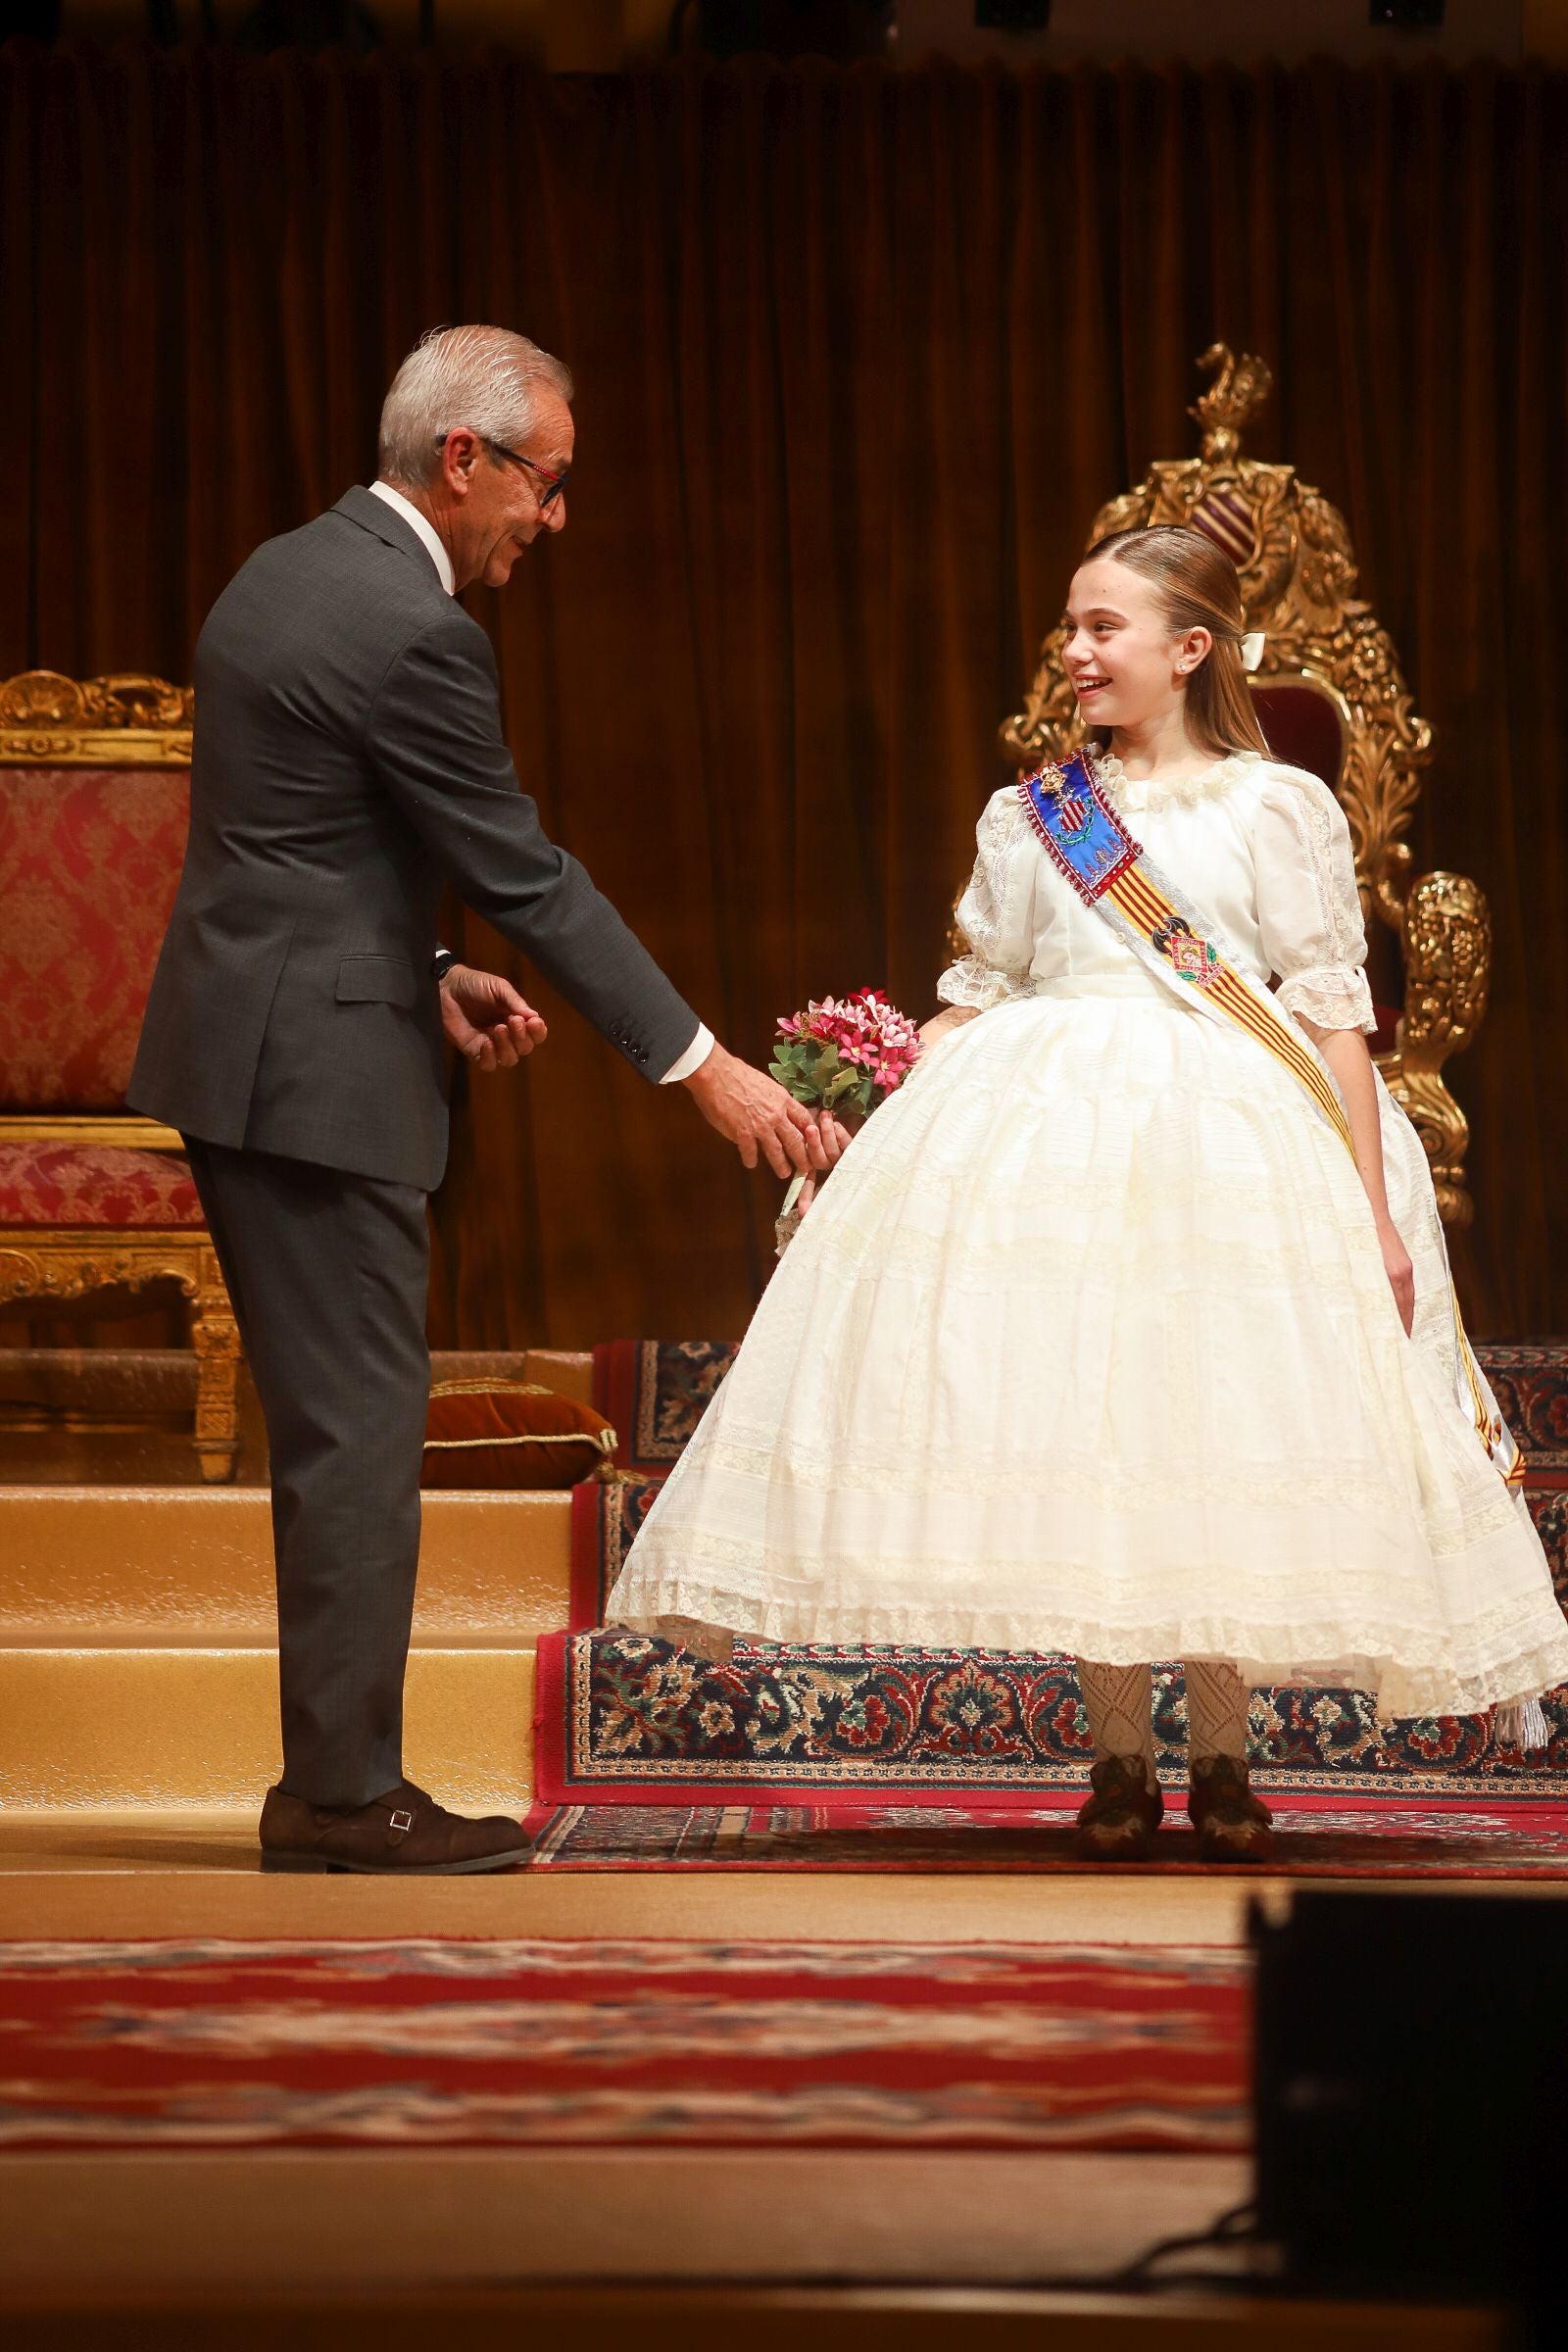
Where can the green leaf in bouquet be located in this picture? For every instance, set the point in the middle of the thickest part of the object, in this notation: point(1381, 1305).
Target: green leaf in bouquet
point(847, 1082)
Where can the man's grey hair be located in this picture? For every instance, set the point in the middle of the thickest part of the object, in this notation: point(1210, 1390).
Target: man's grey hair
point(485, 377)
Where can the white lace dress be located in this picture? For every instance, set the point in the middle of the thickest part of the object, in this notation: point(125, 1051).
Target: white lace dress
point(1088, 1346)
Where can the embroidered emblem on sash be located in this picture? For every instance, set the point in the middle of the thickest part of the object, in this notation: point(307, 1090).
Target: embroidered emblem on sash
point(1192, 955)
point(1081, 833)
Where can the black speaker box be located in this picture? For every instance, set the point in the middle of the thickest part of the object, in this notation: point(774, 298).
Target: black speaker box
point(1410, 2094)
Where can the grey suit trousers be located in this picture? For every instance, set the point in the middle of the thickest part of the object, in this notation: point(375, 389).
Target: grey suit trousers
point(327, 1273)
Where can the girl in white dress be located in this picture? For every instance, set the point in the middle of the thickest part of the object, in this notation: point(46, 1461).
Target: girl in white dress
point(1099, 1341)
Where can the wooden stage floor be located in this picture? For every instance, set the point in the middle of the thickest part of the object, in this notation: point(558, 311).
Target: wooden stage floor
point(78, 2229)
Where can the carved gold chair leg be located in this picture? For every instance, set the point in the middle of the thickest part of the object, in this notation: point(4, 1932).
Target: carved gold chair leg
point(215, 1336)
point(1446, 936)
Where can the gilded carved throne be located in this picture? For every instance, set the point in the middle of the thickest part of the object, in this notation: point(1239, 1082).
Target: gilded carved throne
point(1331, 699)
point(97, 1204)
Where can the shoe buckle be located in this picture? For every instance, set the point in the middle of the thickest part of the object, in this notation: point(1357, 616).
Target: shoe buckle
point(402, 1821)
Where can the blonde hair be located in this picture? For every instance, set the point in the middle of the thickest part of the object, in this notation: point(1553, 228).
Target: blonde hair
point(1199, 588)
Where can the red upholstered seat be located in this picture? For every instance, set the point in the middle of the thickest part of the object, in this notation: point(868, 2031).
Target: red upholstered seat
point(94, 806)
point(90, 859)
point(95, 1184)
point(1303, 728)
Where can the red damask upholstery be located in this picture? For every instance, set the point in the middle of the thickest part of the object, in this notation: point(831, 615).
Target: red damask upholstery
point(1303, 728)
point(95, 1184)
point(95, 809)
point(91, 859)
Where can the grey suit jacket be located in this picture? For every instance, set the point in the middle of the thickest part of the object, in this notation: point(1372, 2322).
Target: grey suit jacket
point(348, 761)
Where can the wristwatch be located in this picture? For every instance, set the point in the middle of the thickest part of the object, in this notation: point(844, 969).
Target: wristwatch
point(441, 964)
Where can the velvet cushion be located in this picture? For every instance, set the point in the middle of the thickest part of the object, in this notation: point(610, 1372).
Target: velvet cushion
point(89, 863)
point(506, 1432)
point(95, 1184)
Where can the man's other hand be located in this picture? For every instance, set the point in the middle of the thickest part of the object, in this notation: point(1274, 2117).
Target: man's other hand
point(758, 1115)
point(485, 1019)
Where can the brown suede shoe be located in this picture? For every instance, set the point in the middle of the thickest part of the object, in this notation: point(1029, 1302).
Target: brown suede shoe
point(1232, 1824)
point(1117, 1822)
point(404, 1834)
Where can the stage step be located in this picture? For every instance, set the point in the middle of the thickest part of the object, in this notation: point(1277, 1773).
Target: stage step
point(137, 1632)
point(137, 1658)
point(167, 1566)
point(118, 1726)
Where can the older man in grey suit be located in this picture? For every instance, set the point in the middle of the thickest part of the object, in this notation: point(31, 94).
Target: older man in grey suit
point(348, 762)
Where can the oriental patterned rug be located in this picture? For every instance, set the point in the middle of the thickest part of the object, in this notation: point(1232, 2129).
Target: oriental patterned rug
point(561, 2042)
point(624, 1720)
point(1317, 1837)
point(654, 1393)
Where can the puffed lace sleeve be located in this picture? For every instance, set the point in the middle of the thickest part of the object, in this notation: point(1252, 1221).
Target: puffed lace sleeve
point(994, 915)
point(1309, 910)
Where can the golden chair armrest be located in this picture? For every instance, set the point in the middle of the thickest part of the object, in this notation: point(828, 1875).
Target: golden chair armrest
point(1446, 942)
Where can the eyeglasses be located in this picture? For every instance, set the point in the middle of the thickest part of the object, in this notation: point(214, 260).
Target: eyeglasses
point(553, 483)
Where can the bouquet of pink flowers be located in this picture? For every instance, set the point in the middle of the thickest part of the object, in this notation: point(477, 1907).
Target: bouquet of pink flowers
point(845, 1053)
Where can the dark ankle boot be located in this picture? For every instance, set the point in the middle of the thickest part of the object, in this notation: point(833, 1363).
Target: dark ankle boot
point(1232, 1824)
point(1117, 1822)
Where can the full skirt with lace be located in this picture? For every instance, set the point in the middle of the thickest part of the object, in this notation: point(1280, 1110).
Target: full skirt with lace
point(1087, 1347)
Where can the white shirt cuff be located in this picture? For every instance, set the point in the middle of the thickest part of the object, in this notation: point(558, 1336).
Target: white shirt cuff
point(692, 1059)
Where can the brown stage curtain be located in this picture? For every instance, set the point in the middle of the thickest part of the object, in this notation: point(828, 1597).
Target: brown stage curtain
point(859, 356)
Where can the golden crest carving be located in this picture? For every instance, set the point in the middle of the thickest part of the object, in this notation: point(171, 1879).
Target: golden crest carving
point(1298, 572)
point(49, 721)
point(1239, 390)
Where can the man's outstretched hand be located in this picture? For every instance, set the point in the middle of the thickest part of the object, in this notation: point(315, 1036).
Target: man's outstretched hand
point(485, 1019)
point(758, 1115)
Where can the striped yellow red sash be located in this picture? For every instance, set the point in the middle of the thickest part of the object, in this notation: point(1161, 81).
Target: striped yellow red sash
point(1150, 912)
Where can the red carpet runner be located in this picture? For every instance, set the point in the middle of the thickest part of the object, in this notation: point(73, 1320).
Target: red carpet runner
point(151, 2046)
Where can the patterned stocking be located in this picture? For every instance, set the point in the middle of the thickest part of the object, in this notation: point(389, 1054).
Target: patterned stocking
point(1119, 1702)
point(1217, 1712)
